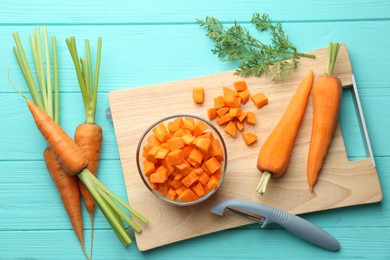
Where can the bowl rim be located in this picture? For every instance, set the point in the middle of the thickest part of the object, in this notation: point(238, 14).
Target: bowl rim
point(143, 178)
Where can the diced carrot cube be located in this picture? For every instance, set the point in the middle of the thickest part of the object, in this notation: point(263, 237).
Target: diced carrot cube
point(199, 128)
point(175, 183)
point(195, 157)
point(187, 196)
point(190, 179)
point(175, 143)
point(149, 167)
point(240, 85)
point(242, 116)
point(223, 120)
point(187, 150)
point(175, 157)
point(212, 113)
point(160, 176)
point(153, 141)
point(259, 99)
point(197, 171)
point(249, 138)
point(212, 183)
point(219, 102)
point(183, 168)
point(213, 164)
point(232, 101)
point(189, 123)
point(163, 188)
point(180, 189)
point(198, 189)
point(179, 133)
point(198, 95)
point(171, 195)
point(244, 95)
point(204, 178)
point(222, 111)
point(162, 153)
point(231, 129)
point(251, 118)
point(203, 145)
point(152, 153)
point(145, 150)
point(216, 148)
point(188, 138)
point(235, 112)
point(228, 92)
point(239, 125)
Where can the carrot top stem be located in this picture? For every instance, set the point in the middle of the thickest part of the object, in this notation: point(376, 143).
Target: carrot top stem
point(108, 204)
point(333, 51)
point(88, 82)
point(261, 188)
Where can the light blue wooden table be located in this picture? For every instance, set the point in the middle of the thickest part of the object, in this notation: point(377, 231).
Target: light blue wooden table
point(150, 41)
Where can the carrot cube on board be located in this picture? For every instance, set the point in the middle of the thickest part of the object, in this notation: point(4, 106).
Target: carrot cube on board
point(198, 95)
point(244, 95)
point(212, 113)
point(222, 111)
point(219, 102)
point(231, 129)
point(240, 85)
point(249, 138)
point(251, 118)
point(239, 125)
point(259, 99)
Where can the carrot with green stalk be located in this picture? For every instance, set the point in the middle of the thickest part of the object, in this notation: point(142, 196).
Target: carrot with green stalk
point(73, 158)
point(88, 135)
point(275, 154)
point(327, 93)
point(48, 101)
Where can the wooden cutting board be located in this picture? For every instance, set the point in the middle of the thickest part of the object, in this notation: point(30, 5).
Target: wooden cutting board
point(341, 183)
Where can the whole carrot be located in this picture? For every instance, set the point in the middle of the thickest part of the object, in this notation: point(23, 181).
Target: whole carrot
point(275, 154)
point(88, 135)
point(49, 102)
point(68, 190)
point(327, 92)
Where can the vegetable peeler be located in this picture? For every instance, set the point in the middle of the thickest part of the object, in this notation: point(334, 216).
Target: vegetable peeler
point(265, 215)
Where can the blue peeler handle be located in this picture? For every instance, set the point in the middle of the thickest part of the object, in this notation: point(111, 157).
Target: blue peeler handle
point(296, 225)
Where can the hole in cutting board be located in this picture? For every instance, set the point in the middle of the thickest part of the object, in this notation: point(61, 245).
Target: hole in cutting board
point(351, 127)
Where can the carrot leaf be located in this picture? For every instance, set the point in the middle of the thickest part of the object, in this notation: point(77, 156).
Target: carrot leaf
point(332, 56)
point(279, 58)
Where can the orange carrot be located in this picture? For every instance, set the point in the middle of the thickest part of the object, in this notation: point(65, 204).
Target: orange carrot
point(327, 92)
point(198, 95)
point(231, 129)
point(275, 154)
point(69, 154)
point(89, 138)
point(64, 181)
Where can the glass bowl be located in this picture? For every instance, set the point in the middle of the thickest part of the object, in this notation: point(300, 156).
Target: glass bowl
point(187, 172)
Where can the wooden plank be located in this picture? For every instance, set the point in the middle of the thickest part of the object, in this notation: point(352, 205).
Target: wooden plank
point(127, 62)
point(174, 11)
point(242, 175)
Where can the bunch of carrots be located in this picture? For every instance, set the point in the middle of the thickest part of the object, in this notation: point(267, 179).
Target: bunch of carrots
point(275, 154)
point(72, 164)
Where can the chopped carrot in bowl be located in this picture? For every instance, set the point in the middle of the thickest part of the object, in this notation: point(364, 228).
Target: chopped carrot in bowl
point(182, 159)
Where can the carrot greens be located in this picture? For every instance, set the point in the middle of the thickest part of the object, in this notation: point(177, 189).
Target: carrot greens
point(279, 58)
